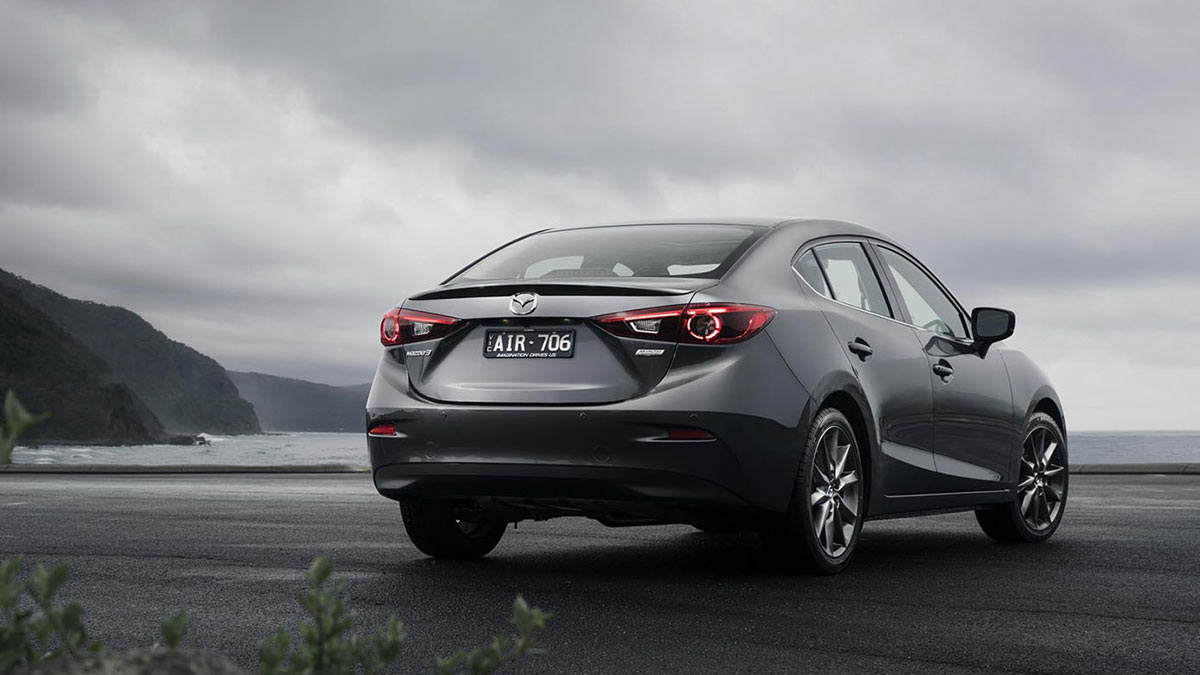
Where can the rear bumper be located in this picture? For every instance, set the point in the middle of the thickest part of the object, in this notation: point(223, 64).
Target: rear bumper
point(547, 483)
point(614, 453)
point(570, 454)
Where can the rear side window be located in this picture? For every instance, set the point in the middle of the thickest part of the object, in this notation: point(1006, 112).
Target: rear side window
point(807, 268)
point(850, 277)
point(704, 251)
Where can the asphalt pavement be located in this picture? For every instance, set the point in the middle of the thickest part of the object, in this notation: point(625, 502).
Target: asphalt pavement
point(1117, 589)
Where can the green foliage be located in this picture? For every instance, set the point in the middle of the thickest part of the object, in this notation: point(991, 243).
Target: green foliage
point(501, 650)
point(174, 628)
point(326, 645)
point(17, 420)
point(36, 629)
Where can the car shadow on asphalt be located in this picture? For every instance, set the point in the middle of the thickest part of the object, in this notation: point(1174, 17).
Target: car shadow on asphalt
point(881, 553)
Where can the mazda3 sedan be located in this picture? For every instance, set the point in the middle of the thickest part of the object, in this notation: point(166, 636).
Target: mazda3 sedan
point(790, 377)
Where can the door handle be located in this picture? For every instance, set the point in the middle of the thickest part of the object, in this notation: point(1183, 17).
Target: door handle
point(943, 370)
point(860, 347)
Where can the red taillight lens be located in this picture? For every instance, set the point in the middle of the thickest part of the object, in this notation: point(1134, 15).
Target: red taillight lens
point(719, 323)
point(402, 326)
point(656, 323)
point(706, 324)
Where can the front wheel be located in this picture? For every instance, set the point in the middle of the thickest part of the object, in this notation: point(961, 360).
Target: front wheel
point(438, 531)
point(820, 530)
point(1037, 508)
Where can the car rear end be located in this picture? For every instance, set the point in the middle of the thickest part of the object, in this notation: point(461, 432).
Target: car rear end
point(594, 372)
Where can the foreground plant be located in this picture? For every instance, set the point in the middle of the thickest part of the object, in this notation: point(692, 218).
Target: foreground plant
point(37, 629)
point(17, 421)
point(501, 650)
point(34, 629)
point(326, 645)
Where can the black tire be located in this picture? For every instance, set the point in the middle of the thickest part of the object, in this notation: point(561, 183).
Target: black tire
point(436, 531)
point(792, 542)
point(1011, 521)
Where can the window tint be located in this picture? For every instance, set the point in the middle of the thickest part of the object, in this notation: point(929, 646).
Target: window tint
point(928, 306)
point(807, 268)
point(625, 250)
point(851, 277)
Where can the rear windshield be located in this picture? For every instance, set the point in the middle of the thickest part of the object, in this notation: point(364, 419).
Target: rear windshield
point(704, 251)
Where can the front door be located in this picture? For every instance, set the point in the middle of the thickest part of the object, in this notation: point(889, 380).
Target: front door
point(973, 431)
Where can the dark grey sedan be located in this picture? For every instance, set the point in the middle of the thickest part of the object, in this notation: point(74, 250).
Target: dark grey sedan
point(792, 377)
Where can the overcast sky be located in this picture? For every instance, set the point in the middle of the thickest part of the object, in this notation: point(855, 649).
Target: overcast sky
point(263, 181)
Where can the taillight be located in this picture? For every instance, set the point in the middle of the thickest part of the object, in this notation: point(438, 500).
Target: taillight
point(706, 324)
point(657, 323)
point(402, 326)
point(717, 323)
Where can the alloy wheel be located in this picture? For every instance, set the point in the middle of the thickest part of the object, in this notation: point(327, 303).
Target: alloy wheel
point(835, 495)
point(1041, 490)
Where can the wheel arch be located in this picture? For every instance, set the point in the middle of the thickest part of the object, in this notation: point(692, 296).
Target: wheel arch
point(1050, 407)
point(847, 404)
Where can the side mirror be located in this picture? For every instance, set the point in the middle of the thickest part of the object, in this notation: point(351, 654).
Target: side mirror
point(990, 324)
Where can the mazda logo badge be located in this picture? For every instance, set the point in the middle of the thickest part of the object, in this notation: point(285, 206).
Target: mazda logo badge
point(523, 303)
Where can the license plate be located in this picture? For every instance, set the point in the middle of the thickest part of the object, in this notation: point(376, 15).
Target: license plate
point(529, 344)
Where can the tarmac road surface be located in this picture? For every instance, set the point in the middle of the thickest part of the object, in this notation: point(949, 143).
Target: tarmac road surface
point(1117, 589)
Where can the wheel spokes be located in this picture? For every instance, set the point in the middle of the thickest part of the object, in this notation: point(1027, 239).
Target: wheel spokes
point(832, 455)
point(1026, 502)
point(825, 480)
point(834, 495)
point(843, 453)
point(1053, 494)
point(829, 532)
point(1041, 486)
point(1047, 453)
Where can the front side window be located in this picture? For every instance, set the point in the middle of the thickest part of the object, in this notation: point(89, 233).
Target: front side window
point(928, 305)
point(850, 277)
point(705, 251)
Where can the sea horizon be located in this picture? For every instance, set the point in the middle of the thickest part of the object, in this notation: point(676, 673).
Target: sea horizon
point(344, 447)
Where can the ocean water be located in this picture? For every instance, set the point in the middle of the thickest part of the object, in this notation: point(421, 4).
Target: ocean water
point(1087, 447)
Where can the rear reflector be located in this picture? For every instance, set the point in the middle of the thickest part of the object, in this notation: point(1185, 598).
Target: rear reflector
point(714, 323)
point(689, 435)
point(383, 429)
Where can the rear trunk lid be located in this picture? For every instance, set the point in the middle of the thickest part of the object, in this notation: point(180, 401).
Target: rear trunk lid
point(602, 368)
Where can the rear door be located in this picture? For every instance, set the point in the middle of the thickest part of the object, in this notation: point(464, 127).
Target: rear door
point(973, 434)
point(886, 356)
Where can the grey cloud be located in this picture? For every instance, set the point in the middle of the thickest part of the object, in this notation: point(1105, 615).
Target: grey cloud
point(231, 168)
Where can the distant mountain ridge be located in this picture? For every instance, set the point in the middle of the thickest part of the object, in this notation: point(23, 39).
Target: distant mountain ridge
point(285, 404)
point(54, 372)
point(186, 391)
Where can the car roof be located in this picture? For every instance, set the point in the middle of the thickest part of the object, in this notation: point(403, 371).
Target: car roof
point(812, 227)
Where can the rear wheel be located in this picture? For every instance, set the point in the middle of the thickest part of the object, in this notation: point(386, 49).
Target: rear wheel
point(438, 531)
point(1037, 507)
point(820, 530)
